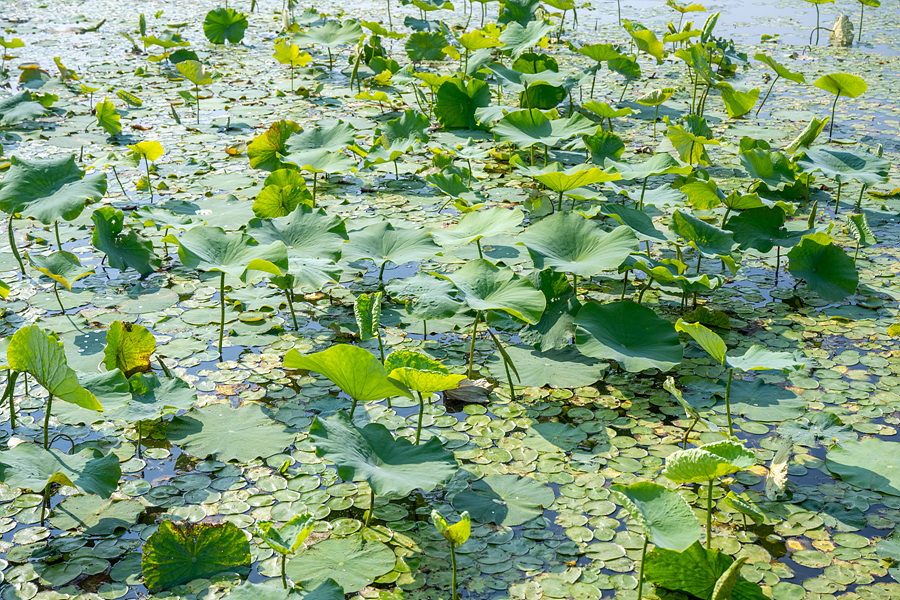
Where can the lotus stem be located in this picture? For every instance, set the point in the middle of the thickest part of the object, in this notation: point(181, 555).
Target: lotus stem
point(140, 439)
point(421, 412)
point(641, 572)
point(164, 367)
point(10, 392)
point(643, 189)
point(833, 105)
point(197, 96)
point(687, 433)
point(149, 187)
point(862, 191)
point(478, 243)
point(856, 254)
point(315, 183)
point(728, 402)
point(424, 331)
point(44, 502)
point(12, 243)
point(380, 345)
point(862, 9)
point(371, 504)
point(469, 373)
point(644, 289)
point(559, 201)
point(624, 287)
point(390, 24)
point(837, 202)
point(817, 23)
point(58, 300)
point(289, 294)
point(767, 94)
point(222, 310)
point(47, 422)
point(777, 263)
point(56, 231)
point(121, 187)
point(353, 408)
point(381, 272)
point(453, 571)
point(655, 119)
point(709, 505)
point(284, 571)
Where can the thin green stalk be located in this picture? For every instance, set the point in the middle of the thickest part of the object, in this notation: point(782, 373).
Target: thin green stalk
point(453, 595)
point(289, 294)
point(140, 439)
point(624, 286)
point(856, 254)
point(149, 187)
point(380, 345)
point(353, 408)
point(10, 392)
point(12, 243)
point(58, 300)
point(121, 187)
point(284, 571)
point(421, 413)
point(640, 589)
point(470, 373)
point(390, 23)
point(709, 515)
point(767, 94)
point(777, 262)
point(424, 331)
point(371, 504)
point(559, 202)
point(197, 96)
point(56, 231)
point(478, 243)
point(655, 119)
point(837, 203)
point(47, 422)
point(862, 9)
point(833, 105)
point(817, 24)
point(222, 310)
point(862, 191)
point(44, 502)
point(644, 289)
point(164, 368)
point(643, 189)
point(728, 402)
point(684, 441)
point(315, 183)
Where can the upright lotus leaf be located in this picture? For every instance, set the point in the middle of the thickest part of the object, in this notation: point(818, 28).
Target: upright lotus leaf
point(738, 100)
point(517, 38)
point(149, 152)
point(700, 572)
point(457, 535)
point(267, 150)
point(383, 244)
point(122, 250)
point(212, 249)
point(178, 553)
point(49, 190)
point(842, 165)
point(457, 101)
point(570, 243)
point(391, 467)
point(333, 138)
point(485, 287)
point(525, 128)
point(628, 333)
point(421, 374)
point(762, 229)
point(283, 191)
point(108, 117)
point(645, 40)
point(41, 354)
point(859, 228)
point(427, 297)
point(563, 181)
point(690, 140)
point(307, 232)
point(658, 164)
point(353, 369)
point(862, 8)
point(331, 34)
point(603, 146)
point(194, 72)
point(286, 539)
point(128, 348)
point(62, 267)
point(655, 98)
point(840, 84)
point(20, 107)
point(709, 241)
point(772, 168)
point(479, 224)
point(807, 137)
point(227, 433)
point(223, 24)
point(825, 267)
point(367, 310)
point(30, 467)
point(708, 340)
point(780, 71)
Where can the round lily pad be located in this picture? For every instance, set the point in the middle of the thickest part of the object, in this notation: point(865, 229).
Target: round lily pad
point(507, 500)
point(870, 464)
point(352, 562)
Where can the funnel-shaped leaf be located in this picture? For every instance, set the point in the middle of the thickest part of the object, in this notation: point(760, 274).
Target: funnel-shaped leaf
point(30, 467)
point(762, 229)
point(49, 189)
point(41, 354)
point(628, 333)
point(128, 348)
point(214, 249)
point(331, 139)
point(426, 296)
point(62, 267)
point(307, 232)
point(353, 369)
point(842, 165)
point(825, 267)
point(842, 84)
point(284, 190)
point(457, 101)
point(420, 373)
point(664, 516)
point(123, 250)
point(708, 462)
point(705, 238)
point(267, 150)
point(485, 286)
point(570, 243)
point(574, 177)
point(331, 35)
point(392, 467)
point(525, 128)
point(708, 339)
point(770, 167)
point(478, 224)
point(381, 243)
point(456, 534)
point(194, 72)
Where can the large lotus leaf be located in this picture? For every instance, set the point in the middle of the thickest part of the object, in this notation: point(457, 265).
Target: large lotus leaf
point(426, 296)
point(267, 150)
point(152, 397)
point(214, 249)
point(457, 101)
point(409, 128)
point(806, 137)
point(223, 24)
point(307, 232)
point(109, 387)
point(41, 354)
point(696, 571)
point(227, 433)
point(288, 538)
point(485, 286)
point(284, 191)
point(420, 372)
point(506, 500)
point(478, 224)
point(108, 117)
point(771, 167)
point(49, 189)
point(825, 267)
point(518, 11)
point(556, 329)
point(273, 590)
point(62, 267)
point(758, 358)
point(178, 553)
point(844, 164)
point(553, 437)
point(517, 39)
point(382, 243)
point(658, 164)
point(525, 128)
point(842, 84)
point(575, 177)
point(570, 243)
point(353, 562)
point(762, 229)
point(20, 107)
point(353, 369)
point(321, 161)
point(760, 401)
point(708, 462)
point(637, 220)
point(95, 515)
point(738, 102)
point(313, 273)
point(820, 428)
point(664, 516)
point(628, 333)
point(333, 138)
point(128, 348)
point(707, 239)
point(870, 464)
point(603, 146)
point(690, 140)
point(563, 368)
point(780, 69)
point(331, 34)
point(29, 467)
point(130, 250)
point(426, 45)
point(194, 72)
point(392, 467)
point(709, 340)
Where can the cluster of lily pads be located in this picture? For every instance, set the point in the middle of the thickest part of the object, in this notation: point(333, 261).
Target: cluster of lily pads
point(455, 298)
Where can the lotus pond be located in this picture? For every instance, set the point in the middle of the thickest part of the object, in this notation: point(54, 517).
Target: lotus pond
point(475, 300)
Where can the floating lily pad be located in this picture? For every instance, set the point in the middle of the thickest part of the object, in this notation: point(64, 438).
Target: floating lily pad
point(352, 562)
point(507, 500)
